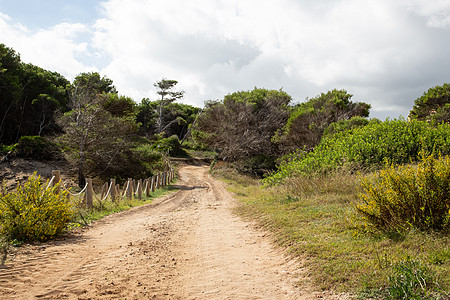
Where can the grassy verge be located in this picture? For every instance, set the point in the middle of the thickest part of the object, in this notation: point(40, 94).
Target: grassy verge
point(314, 218)
point(102, 209)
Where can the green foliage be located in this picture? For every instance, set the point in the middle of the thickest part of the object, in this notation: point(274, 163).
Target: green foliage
point(4, 149)
point(171, 145)
point(144, 161)
point(309, 120)
point(433, 105)
point(348, 124)
point(33, 212)
point(367, 148)
point(93, 83)
point(175, 117)
point(118, 106)
point(398, 199)
point(410, 279)
point(37, 147)
point(30, 97)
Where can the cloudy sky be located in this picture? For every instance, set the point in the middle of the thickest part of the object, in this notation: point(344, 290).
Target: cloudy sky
point(384, 52)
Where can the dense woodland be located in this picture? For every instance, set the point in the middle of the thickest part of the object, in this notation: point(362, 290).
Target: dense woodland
point(260, 131)
point(90, 124)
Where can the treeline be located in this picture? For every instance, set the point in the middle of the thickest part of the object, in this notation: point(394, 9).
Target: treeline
point(100, 132)
point(260, 131)
point(263, 132)
point(254, 129)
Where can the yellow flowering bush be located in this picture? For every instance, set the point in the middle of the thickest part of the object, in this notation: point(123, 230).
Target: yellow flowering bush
point(405, 197)
point(33, 212)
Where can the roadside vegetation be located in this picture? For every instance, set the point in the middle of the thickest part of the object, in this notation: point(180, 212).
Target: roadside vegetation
point(316, 219)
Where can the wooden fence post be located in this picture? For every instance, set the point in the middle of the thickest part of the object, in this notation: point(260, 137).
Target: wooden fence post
point(161, 182)
point(113, 189)
point(89, 193)
point(139, 189)
point(118, 190)
point(104, 190)
point(153, 183)
point(147, 187)
point(156, 181)
point(57, 179)
point(130, 190)
point(144, 186)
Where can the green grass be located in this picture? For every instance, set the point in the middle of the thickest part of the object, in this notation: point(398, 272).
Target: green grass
point(314, 218)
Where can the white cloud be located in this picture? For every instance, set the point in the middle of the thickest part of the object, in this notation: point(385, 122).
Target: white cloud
point(437, 12)
point(58, 48)
point(384, 52)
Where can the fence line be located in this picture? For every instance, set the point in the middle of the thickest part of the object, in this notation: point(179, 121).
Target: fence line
point(112, 190)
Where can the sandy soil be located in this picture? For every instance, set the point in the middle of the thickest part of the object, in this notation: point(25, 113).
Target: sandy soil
point(18, 170)
point(187, 245)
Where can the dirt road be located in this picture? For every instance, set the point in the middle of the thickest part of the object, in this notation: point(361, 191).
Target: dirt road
point(188, 245)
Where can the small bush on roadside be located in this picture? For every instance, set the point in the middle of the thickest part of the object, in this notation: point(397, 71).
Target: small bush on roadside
point(33, 212)
point(410, 279)
point(405, 197)
point(256, 166)
point(171, 144)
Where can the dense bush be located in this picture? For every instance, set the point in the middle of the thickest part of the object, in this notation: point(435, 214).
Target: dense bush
point(172, 145)
point(37, 147)
point(256, 166)
point(405, 197)
point(33, 212)
point(367, 148)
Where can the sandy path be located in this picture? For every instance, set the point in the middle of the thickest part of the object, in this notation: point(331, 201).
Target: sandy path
point(185, 246)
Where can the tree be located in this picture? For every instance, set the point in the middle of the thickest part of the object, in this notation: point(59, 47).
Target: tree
point(176, 118)
point(165, 90)
point(433, 105)
point(93, 136)
point(92, 83)
point(309, 120)
point(10, 93)
point(242, 125)
point(30, 96)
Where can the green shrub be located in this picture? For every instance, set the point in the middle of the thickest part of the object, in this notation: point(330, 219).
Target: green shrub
point(256, 166)
point(171, 144)
point(33, 212)
point(367, 148)
point(406, 197)
point(4, 149)
point(37, 147)
point(410, 279)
